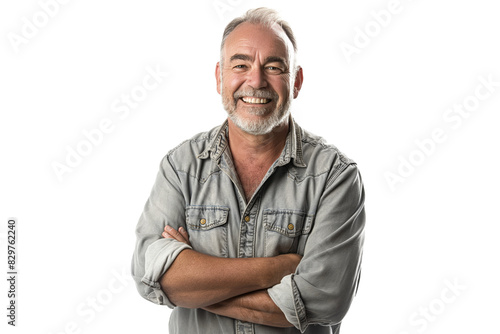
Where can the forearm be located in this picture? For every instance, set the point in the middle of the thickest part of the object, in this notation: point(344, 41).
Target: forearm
point(196, 280)
point(256, 307)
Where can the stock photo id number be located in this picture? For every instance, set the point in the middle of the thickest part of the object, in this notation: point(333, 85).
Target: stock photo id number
point(11, 271)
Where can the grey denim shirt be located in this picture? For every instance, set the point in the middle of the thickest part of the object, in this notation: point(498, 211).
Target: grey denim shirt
point(310, 202)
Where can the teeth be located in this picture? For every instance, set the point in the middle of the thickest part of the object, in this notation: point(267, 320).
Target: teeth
point(254, 100)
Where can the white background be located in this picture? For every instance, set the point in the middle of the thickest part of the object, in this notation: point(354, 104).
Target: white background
point(76, 235)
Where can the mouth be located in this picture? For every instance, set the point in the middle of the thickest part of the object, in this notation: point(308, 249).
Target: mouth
point(255, 100)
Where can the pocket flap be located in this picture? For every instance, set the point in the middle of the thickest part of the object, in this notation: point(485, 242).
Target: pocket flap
point(290, 223)
point(200, 217)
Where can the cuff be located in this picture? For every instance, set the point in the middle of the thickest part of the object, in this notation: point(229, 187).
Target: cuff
point(287, 297)
point(159, 257)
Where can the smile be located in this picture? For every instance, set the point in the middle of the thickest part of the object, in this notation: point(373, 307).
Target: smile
point(254, 100)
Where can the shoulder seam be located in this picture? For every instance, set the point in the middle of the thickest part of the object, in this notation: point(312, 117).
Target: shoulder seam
point(339, 171)
point(203, 136)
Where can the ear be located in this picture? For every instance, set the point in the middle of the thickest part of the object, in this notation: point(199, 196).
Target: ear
point(297, 85)
point(217, 77)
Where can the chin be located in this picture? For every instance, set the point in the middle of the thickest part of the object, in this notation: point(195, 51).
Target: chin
point(260, 125)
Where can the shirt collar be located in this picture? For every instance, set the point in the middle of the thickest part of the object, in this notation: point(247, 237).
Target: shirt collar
point(292, 149)
point(217, 144)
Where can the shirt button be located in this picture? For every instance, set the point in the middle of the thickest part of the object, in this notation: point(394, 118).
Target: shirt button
point(290, 226)
point(247, 218)
point(203, 221)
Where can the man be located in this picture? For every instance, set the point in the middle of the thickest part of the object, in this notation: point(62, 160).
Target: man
point(257, 225)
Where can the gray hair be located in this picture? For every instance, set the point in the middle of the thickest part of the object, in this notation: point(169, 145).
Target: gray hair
point(263, 16)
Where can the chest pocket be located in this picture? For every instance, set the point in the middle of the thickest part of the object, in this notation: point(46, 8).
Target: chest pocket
point(286, 231)
point(207, 229)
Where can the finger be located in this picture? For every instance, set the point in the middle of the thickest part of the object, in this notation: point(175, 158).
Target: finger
point(174, 234)
point(184, 233)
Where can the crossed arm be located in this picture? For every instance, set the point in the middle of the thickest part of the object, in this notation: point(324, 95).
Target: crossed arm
point(227, 286)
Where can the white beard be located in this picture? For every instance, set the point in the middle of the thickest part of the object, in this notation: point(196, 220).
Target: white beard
point(262, 125)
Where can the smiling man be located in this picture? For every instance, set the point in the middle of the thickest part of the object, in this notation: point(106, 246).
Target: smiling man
point(255, 226)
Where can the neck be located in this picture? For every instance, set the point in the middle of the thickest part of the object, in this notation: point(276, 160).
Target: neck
point(258, 148)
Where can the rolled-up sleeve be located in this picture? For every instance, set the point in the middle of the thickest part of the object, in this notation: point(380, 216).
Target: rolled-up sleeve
point(321, 290)
point(154, 254)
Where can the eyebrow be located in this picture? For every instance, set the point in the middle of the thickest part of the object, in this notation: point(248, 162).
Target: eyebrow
point(274, 59)
point(270, 59)
point(240, 56)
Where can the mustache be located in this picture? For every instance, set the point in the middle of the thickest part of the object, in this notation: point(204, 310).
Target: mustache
point(258, 93)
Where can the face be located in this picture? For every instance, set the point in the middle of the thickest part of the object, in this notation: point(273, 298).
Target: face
point(256, 78)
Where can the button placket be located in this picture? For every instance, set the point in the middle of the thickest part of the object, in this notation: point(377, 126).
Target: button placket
point(248, 229)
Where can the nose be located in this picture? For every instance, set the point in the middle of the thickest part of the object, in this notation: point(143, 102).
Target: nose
point(257, 78)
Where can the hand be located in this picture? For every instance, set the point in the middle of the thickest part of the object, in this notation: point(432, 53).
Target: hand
point(180, 235)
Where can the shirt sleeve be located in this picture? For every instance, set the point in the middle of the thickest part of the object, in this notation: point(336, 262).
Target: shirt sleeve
point(321, 290)
point(154, 254)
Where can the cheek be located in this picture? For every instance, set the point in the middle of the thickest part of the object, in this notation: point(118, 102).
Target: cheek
point(283, 89)
point(234, 82)
point(231, 80)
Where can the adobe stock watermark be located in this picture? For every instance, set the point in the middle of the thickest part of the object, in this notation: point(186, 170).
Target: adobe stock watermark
point(420, 320)
point(363, 36)
point(121, 106)
point(223, 6)
point(89, 309)
point(453, 118)
point(31, 26)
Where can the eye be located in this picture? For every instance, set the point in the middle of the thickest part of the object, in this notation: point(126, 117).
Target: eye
point(274, 70)
point(239, 67)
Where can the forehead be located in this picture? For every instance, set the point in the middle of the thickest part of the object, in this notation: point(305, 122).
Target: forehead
point(248, 38)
